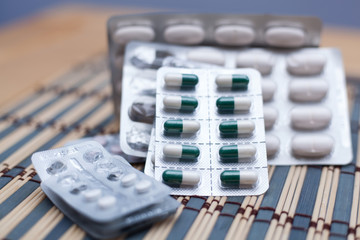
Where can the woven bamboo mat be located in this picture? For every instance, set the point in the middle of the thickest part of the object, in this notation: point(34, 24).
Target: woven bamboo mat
point(302, 202)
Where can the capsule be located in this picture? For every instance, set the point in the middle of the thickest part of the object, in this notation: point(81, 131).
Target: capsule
point(236, 127)
point(268, 90)
point(233, 103)
point(270, 116)
point(179, 177)
point(207, 55)
point(307, 91)
point(312, 146)
point(235, 81)
point(238, 179)
point(236, 152)
point(181, 80)
point(185, 152)
point(310, 118)
point(181, 126)
point(180, 103)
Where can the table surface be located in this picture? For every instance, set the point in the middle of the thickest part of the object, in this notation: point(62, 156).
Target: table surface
point(42, 48)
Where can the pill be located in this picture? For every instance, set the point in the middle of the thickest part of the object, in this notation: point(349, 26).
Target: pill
point(270, 116)
point(234, 35)
point(285, 37)
point(180, 103)
point(181, 80)
point(239, 179)
point(236, 81)
point(305, 63)
point(312, 145)
point(128, 179)
point(272, 145)
point(268, 90)
point(238, 152)
point(307, 91)
point(178, 177)
point(184, 34)
point(181, 126)
point(310, 118)
point(206, 55)
point(233, 103)
point(133, 33)
point(181, 151)
point(106, 202)
point(261, 61)
point(92, 194)
point(143, 186)
point(237, 127)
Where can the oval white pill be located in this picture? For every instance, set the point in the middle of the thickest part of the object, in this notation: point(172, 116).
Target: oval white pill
point(272, 145)
point(270, 116)
point(310, 118)
point(133, 33)
point(268, 89)
point(106, 202)
point(172, 150)
point(305, 63)
point(128, 179)
point(92, 194)
point(285, 37)
point(312, 145)
point(307, 90)
point(261, 61)
point(143, 186)
point(184, 34)
point(234, 35)
point(210, 56)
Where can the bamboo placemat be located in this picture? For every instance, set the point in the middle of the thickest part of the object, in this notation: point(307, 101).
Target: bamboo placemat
point(310, 202)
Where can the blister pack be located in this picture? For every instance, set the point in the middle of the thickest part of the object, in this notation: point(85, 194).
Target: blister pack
point(209, 132)
point(101, 190)
point(111, 142)
point(224, 30)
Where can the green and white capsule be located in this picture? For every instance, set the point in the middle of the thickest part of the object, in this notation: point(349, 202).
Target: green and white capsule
point(179, 177)
point(181, 151)
point(233, 103)
point(181, 126)
point(238, 179)
point(237, 81)
point(180, 103)
point(236, 152)
point(181, 80)
point(237, 127)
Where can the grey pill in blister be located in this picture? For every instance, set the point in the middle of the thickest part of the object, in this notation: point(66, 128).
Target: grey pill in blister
point(207, 55)
point(261, 61)
point(310, 118)
point(272, 145)
point(312, 145)
point(270, 116)
point(234, 35)
point(184, 34)
point(268, 89)
point(131, 33)
point(143, 109)
point(285, 37)
point(305, 63)
point(307, 90)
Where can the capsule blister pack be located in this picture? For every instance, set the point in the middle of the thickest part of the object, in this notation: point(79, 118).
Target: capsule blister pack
point(111, 142)
point(224, 30)
point(101, 193)
point(209, 132)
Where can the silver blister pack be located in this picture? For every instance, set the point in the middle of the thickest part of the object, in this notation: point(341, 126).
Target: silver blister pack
point(199, 145)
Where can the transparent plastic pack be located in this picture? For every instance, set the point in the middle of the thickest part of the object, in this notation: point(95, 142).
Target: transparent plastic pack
point(201, 149)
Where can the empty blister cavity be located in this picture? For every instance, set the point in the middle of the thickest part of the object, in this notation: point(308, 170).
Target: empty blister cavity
point(268, 90)
point(56, 167)
point(181, 126)
point(93, 155)
point(238, 179)
point(207, 55)
point(270, 117)
point(272, 145)
point(126, 34)
point(138, 138)
point(234, 35)
point(181, 103)
point(184, 34)
point(285, 36)
point(307, 90)
point(305, 63)
point(177, 178)
point(312, 146)
point(233, 81)
point(231, 104)
point(181, 80)
point(261, 61)
point(181, 152)
point(143, 109)
point(236, 153)
point(310, 118)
